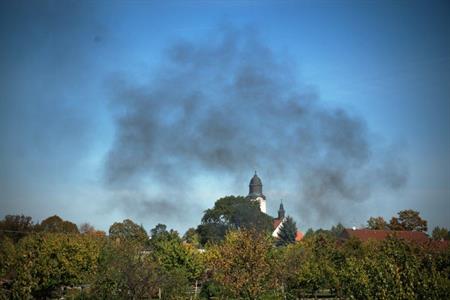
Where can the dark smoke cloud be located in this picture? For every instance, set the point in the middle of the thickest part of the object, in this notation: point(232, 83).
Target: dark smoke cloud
point(230, 104)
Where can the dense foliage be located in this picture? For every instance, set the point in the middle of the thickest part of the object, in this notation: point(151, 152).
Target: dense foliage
point(56, 224)
point(440, 234)
point(377, 223)
point(44, 261)
point(242, 264)
point(16, 227)
point(128, 231)
point(247, 264)
point(232, 212)
point(408, 220)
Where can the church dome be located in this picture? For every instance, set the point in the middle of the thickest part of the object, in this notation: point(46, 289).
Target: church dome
point(255, 180)
point(255, 187)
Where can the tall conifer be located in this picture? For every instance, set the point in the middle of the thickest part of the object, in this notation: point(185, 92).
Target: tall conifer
point(287, 233)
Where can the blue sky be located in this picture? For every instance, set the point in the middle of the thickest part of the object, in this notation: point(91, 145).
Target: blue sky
point(151, 111)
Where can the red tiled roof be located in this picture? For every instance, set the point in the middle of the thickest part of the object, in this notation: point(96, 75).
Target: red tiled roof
point(298, 236)
point(439, 245)
point(276, 222)
point(368, 234)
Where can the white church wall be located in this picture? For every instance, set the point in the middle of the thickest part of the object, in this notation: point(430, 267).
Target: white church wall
point(262, 204)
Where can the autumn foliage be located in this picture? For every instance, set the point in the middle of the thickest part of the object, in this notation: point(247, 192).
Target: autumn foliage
point(248, 263)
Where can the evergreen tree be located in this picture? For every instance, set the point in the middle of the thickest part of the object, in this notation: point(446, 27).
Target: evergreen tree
point(440, 234)
point(287, 233)
point(309, 233)
point(337, 230)
point(377, 223)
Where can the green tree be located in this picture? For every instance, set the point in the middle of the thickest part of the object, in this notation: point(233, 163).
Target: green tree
point(125, 271)
point(408, 220)
point(288, 232)
point(310, 266)
point(323, 233)
point(128, 230)
point(16, 227)
point(173, 255)
point(309, 233)
point(393, 269)
point(211, 232)
point(47, 261)
point(440, 234)
point(57, 225)
point(377, 223)
point(159, 231)
point(192, 237)
point(232, 212)
point(7, 257)
point(394, 224)
point(337, 230)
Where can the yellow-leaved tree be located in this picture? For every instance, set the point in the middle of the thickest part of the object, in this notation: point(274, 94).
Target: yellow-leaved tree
point(242, 264)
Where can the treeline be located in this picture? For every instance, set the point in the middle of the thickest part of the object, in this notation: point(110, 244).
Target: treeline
point(126, 264)
point(52, 260)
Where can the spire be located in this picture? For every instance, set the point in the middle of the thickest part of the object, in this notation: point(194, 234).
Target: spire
point(281, 211)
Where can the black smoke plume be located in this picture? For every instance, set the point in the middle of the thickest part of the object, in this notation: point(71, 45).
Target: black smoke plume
point(228, 105)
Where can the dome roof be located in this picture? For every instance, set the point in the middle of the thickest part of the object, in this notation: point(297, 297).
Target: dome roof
point(255, 188)
point(255, 180)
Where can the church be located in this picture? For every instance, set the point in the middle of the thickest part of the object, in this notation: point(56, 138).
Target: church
point(256, 194)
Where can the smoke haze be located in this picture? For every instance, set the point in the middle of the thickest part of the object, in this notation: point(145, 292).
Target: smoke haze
point(229, 104)
point(106, 115)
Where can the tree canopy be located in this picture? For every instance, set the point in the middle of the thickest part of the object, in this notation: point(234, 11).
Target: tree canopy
point(232, 212)
point(377, 223)
point(242, 264)
point(245, 265)
point(408, 220)
point(48, 260)
point(440, 233)
point(87, 228)
point(128, 230)
point(16, 226)
point(192, 237)
point(57, 225)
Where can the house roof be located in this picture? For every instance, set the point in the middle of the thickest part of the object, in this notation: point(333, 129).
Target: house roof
point(439, 245)
point(276, 223)
point(369, 234)
point(298, 236)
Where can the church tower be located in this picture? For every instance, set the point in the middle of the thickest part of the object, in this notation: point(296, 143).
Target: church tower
point(255, 192)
